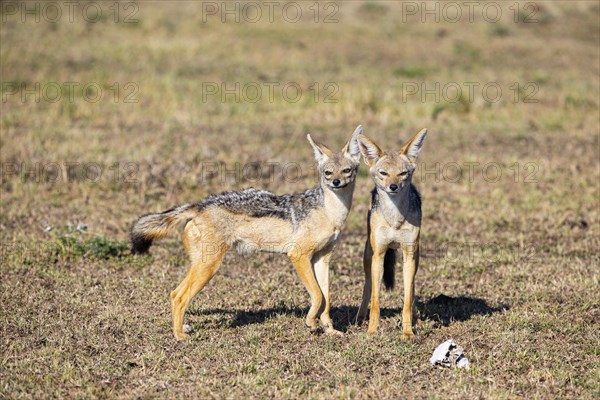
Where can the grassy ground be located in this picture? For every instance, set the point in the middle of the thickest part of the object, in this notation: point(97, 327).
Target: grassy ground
point(510, 268)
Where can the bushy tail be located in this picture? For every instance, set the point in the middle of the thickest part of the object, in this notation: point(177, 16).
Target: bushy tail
point(389, 269)
point(155, 226)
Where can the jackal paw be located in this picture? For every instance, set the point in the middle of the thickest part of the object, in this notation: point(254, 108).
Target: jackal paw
point(372, 330)
point(408, 335)
point(333, 332)
point(312, 326)
point(314, 329)
point(181, 336)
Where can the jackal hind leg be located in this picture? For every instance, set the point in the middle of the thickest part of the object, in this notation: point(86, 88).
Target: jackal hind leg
point(366, 296)
point(206, 250)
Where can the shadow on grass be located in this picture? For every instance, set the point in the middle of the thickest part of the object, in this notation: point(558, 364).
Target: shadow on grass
point(442, 309)
point(244, 317)
point(445, 309)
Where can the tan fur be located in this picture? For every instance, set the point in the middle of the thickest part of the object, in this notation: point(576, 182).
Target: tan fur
point(209, 235)
point(394, 224)
point(308, 243)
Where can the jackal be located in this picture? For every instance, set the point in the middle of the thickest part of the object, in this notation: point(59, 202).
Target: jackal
point(305, 226)
point(393, 221)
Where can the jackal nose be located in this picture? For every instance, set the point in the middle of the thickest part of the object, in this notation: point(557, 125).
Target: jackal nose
point(336, 182)
point(393, 187)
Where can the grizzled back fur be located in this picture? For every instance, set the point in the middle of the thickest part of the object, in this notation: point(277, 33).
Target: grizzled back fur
point(262, 203)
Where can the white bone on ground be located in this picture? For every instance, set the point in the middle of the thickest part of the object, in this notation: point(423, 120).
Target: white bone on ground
point(448, 354)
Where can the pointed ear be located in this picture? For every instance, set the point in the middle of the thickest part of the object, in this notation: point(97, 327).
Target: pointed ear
point(322, 153)
point(413, 147)
point(351, 150)
point(370, 151)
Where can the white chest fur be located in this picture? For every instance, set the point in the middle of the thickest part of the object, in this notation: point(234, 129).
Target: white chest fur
point(337, 206)
point(389, 207)
point(390, 225)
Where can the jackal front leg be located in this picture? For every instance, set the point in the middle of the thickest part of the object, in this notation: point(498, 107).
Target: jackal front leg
point(321, 265)
point(303, 266)
point(410, 254)
point(376, 278)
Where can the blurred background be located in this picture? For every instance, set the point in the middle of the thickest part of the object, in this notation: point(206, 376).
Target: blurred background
point(114, 109)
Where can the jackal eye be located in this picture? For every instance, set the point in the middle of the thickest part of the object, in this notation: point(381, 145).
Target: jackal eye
point(328, 173)
point(383, 173)
point(346, 170)
point(403, 173)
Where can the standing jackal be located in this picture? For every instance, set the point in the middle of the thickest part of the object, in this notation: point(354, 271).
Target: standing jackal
point(305, 226)
point(394, 221)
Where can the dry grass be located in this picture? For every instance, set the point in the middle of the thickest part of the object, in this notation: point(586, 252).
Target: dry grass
point(510, 267)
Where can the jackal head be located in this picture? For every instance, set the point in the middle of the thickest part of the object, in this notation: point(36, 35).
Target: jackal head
point(337, 170)
point(392, 170)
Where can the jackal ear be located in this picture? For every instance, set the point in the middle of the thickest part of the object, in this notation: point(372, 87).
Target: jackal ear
point(351, 150)
point(322, 153)
point(369, 150)
point(413, 147)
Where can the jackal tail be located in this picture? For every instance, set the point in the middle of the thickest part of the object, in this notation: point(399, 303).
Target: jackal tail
point(155, 226)
point(389, 269)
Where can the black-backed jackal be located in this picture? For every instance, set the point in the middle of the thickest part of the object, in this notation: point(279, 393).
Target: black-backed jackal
point(305, 226)
point(394, 222)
